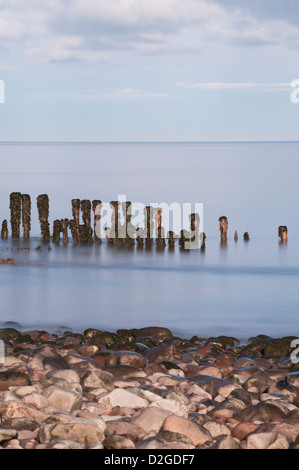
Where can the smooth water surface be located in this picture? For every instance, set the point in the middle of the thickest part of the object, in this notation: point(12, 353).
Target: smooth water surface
point(241, 290)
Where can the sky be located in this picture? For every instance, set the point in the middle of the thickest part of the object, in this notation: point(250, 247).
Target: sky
point(149, 70)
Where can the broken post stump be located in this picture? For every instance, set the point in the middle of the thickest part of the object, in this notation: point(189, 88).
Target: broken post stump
point(26, 215)
point(97, 207)
point(4, 230)
point(43, 214)
point(283, 233)
point(15, 214)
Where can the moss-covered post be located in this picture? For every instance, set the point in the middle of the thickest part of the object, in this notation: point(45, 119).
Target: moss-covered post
point(86, 212)
point(130, 229)
point(15, 214)
point(85, 230)
point(139, 237)
point(283, 233)
point(64, 224)
point(56, 231)
point(74, 231)
point(97, 207)
point(74, 224)
point(149, 225)
point(4, 230)
point(223, 226)
point(194, 229)
point(160, 233)
point(182, 239)
point(43, 214)
point(171, 239)
point(114, 221)
point(203, 244)
point(26, 215)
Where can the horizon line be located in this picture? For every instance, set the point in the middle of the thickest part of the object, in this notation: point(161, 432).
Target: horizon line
point(146, 142)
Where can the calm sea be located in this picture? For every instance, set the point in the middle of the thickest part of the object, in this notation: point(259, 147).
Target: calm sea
point(242, 290)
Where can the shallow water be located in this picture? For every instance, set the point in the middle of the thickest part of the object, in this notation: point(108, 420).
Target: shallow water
point(243, 290)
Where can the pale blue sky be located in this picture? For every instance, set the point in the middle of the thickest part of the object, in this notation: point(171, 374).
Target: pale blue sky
point(149, 70)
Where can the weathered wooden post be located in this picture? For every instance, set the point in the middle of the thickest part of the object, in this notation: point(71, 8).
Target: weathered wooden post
point(236, 236)
point(85, 230)
point(183, 238)
point(283, 233)
point(64, 223)
point(194, 229)
point(139, 237)
point(223, 225)
point(26, 215)
point(56, 231)
point(74, 231)
point(149, 225)
point(86, 212)
point(130, 229)
point(43, 214)
point(246, 236)
point(171, 239)
point(160, 232)
point(4, 230)
point(203, 244)
point(15, 214)
point(114, 220)
point(97, 207)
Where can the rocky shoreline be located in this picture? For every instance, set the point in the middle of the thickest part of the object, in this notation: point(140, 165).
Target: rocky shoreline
point(146, 389)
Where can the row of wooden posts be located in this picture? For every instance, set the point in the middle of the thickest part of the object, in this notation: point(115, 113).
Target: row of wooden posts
point(20, 212)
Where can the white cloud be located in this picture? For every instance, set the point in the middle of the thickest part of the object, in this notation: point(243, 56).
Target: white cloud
point(236, 86)
point(140, 26)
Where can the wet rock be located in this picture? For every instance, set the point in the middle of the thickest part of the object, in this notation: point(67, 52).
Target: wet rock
point(196, 433)
point(226, 443)
point(242, 430)
point(292, 418)
point(217, 429)
point(267, 440)
point(130, 430)
point(64, 444)
point(94, 379)
point(70, 376)
point(123, 398)
point(292, 379)
point(118, 442)
point(7, 434)
point(82, 431)
point(168, 436)
point(126, 358)
point(261, 412)
point(15, 409)
point(63, 399)
point(12, 378)
point(173, 406)
point(47, 358)
point(124, 372)
point(159, 334)
point(287, 430)
point(259, 381)
point(20, 424)
point(163, 353)
point(151, 419)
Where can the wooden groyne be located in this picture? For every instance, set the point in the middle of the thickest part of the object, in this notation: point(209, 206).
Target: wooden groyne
point(81, 229)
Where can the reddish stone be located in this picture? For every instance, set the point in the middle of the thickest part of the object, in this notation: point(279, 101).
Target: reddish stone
point(116, 411)
point(242, 430)
point(224, 360)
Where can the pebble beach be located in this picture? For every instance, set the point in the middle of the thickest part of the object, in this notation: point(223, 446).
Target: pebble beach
point(146, 389)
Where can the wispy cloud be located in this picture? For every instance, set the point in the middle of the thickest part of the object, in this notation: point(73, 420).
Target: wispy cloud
point(93, 95)
point(236, 86)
